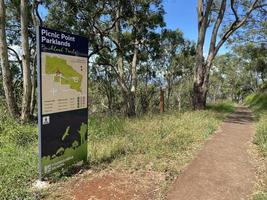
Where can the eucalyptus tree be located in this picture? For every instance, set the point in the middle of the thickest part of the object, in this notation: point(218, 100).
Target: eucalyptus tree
point(20, 51)
point(185, 62)
point(224, 18)
point(254, 30)
point(137, 20)
point(117, 31)
point(6, 71)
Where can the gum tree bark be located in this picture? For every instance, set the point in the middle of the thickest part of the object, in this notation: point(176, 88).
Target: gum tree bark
point(27, 86)
point(6, 72)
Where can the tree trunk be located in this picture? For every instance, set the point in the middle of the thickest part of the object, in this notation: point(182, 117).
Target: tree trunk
point(168, 93)
point(34, 72)
point(199, 93)
point(132, 94)
point(179, 96)
point(6, 72)
point(33, 92)
point(130, 104)
point(26, 99)
point(128, 96)
point(200, 87)
point(161, 101)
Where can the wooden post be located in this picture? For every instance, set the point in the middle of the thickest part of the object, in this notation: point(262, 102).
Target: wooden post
point(161, 104)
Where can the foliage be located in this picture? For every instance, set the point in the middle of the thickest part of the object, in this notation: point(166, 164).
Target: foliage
point(256, 57)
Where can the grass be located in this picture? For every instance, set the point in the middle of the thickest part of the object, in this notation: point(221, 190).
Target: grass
point(163, 143)
point(18, 157)
point(225, 107)
point(258, 104)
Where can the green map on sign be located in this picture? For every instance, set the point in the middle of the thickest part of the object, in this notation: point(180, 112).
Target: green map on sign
point(63, 72)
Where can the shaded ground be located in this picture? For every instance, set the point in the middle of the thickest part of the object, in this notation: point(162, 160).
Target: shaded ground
point(223, 170)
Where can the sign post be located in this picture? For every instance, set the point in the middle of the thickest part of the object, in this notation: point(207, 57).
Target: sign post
point(62, 99)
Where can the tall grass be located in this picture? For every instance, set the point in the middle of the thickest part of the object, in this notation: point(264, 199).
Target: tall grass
point(258, 103)
point(161, 142)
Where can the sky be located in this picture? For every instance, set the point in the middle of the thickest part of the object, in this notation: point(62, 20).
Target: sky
point(181, 14)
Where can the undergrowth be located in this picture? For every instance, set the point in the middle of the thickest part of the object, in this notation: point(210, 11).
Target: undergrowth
point(18, 157)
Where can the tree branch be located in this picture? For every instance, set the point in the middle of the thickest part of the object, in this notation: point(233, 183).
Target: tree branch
point(234, 26)
point(234, 11)
point(217, 26)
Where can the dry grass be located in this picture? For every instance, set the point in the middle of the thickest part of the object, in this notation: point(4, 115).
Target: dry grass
point(160, 143)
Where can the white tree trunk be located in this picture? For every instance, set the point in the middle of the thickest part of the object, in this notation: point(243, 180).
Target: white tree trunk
point(6, 72)
point(26, 99)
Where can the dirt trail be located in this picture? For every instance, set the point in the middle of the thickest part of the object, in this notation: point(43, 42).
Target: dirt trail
point(223, 170)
